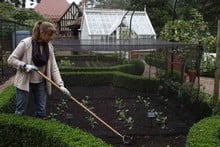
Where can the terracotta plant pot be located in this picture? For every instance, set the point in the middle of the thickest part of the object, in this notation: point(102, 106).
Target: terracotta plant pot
point(192, 75)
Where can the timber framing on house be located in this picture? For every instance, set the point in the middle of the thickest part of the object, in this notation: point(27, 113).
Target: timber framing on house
point(72, 14)
point(62, 14)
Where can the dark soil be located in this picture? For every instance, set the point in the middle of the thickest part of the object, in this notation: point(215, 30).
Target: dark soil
point(145, 131)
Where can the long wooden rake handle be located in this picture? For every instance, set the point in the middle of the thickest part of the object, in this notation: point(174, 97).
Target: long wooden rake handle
point(84, 107)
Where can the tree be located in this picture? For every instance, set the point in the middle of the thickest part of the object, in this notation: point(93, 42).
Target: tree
point(193, 30)
point(211, 12)
point(106, 4)
point(114, 4)
point(19, 3)
point(158, 10)
point(25, 16)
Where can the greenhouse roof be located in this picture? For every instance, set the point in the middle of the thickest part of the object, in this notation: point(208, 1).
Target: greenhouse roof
point(105, 21)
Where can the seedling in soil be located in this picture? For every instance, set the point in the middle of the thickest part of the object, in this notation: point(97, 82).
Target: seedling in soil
point(123, 113)
point(60, 109)
point(52, 116)
point(163, 99)
point(161, 119)
point(119, 103)
point(152, 113)
point(90, 118)
point(92, 121)
point(146, 101)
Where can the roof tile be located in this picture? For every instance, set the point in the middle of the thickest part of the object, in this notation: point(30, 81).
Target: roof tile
point(53, 9)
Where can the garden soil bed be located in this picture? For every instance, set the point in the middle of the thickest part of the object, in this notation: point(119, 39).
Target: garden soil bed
point(146, 131)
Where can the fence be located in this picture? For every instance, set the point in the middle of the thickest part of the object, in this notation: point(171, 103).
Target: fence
point(8, 39)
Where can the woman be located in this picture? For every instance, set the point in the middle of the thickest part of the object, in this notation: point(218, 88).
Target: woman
point(31, 54)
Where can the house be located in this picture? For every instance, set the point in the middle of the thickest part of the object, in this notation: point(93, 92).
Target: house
point(61, 13)
point(116, 24)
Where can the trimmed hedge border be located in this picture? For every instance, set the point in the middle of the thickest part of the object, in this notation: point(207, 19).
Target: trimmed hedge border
point(205, 133)
point(87, 77)
point(7, 99)
point(88, 58)
point(117, 79)
point(126, 68)
point(28, 131)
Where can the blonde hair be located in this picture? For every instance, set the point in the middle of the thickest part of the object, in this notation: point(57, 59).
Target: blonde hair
point(42, 27)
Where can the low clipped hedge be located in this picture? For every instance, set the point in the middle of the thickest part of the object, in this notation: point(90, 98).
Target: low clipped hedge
point(117, 79)
point(97, 57)
point(135, 67)
point(126, 68)
point(7, 100)
point(205, 133)
point(138, 65)
point(28, 131)
point(156, 61)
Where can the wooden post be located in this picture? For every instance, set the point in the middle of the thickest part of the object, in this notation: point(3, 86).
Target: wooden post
point(217, 72)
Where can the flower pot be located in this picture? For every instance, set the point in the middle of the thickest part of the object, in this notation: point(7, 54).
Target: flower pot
point(192, 75)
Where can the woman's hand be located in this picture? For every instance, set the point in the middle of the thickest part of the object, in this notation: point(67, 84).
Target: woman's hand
point(30, 68)
point(65, 91)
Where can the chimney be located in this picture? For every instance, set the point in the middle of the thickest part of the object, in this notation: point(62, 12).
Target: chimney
point(83, 5)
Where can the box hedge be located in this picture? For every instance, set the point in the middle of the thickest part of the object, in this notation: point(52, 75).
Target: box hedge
point(28, 131)
point(205, 133)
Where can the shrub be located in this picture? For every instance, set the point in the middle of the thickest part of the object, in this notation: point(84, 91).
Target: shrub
point(7, 98)
point(205, 133)
point(117, 79)
point(139, 66)
point(28, 131)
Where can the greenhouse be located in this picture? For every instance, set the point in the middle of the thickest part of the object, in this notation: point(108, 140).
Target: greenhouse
point(116, 24)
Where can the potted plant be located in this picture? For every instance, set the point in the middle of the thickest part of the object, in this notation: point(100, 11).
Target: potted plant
point(192, 75)
point(191, 62)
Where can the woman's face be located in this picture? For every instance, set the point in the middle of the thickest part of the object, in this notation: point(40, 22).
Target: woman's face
point(47, 36)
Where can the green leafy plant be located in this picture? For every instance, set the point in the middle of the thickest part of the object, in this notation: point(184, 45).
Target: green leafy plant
point(161, 120)
point(146, 101)
point(92, 121)
point(66, 63)
point(123, 113)
point(208, 65)
point(60, 109)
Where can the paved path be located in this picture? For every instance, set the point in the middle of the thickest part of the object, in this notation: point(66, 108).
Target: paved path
point(207, 84)
point(6, 84)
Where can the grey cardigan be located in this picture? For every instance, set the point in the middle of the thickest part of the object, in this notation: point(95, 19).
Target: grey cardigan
point(23, 55)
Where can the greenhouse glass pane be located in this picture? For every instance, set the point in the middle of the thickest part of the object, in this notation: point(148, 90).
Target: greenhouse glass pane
point(139, 24)
point(101, 23)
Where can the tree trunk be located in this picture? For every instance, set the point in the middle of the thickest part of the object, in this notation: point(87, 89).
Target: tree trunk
point(217, 72)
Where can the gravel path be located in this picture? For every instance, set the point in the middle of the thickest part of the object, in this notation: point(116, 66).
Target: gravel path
point(207, 84)
point(6, 84)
